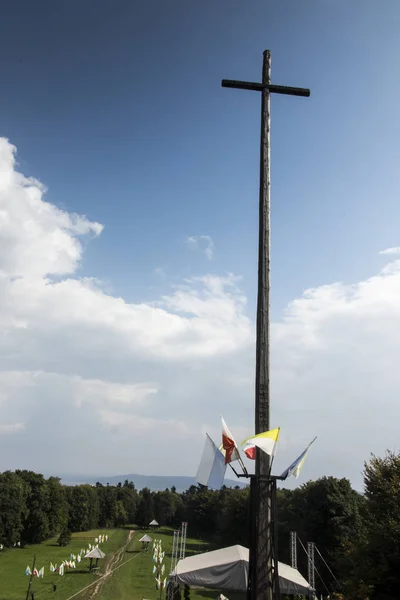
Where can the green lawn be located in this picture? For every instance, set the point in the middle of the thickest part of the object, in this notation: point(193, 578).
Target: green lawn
point(13, 562)
point(133, 578)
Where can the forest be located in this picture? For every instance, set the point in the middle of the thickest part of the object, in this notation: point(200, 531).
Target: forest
point(357, 536)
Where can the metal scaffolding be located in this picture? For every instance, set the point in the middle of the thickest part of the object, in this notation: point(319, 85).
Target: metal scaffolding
point(183, 540)
point(311, 566)
point(174, 561)
point(178, 553)
point(293, 549)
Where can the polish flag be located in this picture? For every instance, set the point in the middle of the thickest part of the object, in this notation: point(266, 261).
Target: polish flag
point(229, 444)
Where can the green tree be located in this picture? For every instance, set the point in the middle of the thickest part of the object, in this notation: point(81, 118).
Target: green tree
point(121, 517)
point(327, 512)
point(129, 498)
point(58, 506)
point(202, 509)
point(107, 496)
point(13, 508)
point(145, 512)
point(36, 523)
point(129, 484)
point(381, 552)
point(165, 504)
point(232, 526)
point(83, 507)
point(65, 537)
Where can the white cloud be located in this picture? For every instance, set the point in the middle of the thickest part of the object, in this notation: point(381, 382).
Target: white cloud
point(86, 374)
point(203, 243)
point(335, 360)
point(75, 359)
point(395, 250)
point(6, 429)
point(38, 239)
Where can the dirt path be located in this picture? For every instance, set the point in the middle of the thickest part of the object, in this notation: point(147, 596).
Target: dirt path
point(115, 559)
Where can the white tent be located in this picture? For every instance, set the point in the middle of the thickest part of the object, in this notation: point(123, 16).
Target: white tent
point(154, 523)
point(227, 569)
point(95, 553)
point(145, 538)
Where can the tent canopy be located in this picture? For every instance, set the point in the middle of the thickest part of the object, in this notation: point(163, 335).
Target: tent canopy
point(227, 569)
point(154, 523)
point(95, 553)
point(145, 538)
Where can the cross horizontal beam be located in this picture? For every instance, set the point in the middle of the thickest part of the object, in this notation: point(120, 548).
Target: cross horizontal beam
point(260, 477)
point(258, 87)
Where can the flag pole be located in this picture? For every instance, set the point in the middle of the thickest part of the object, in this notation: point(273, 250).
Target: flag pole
point(272, 457)
point(261, 550)
point(243, 466)
point(30, 578)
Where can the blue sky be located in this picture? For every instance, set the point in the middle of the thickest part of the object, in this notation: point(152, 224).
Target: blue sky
point(117, 107)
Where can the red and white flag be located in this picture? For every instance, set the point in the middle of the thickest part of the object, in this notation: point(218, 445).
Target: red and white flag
point(229, 444)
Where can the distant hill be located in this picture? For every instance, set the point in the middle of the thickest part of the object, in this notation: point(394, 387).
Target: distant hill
point(153, 482)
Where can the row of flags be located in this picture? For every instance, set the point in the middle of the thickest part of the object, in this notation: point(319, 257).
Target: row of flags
point(214, 460)
point(98, 540)
point(36, 573)
point(162, 571)
point(101, 539)
point(159, 567)
point(71, 562)
point(16, 545)
point(161, 584)
point(60, 570)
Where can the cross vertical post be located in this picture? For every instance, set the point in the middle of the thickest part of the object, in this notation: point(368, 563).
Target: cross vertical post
point(263, 580)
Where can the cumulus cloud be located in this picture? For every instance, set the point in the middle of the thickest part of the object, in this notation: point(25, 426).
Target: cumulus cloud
point(82, 369)
point(38, 239)
point(79, 364)
point(203, 243)
point(395, 250)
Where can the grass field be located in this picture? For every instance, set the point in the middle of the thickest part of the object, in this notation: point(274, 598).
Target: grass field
point(13, 562)
point(129, 571)
point(135, 579)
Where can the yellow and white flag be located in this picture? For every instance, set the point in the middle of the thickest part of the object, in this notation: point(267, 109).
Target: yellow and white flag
point(265, 441)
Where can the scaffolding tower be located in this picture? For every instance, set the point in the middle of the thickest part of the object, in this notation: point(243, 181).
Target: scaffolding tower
point(183, 540)
point(178, 553)
point(174, 561)
point(175, 550)
point(293, 549)
point(311, 566)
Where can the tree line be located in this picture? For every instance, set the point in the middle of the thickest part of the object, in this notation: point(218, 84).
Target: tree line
point(357, 536)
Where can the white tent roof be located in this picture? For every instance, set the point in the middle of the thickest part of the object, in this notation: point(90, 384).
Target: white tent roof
point(145, 538)
point(154, 522)
point(95, 553)
point(227, 569)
